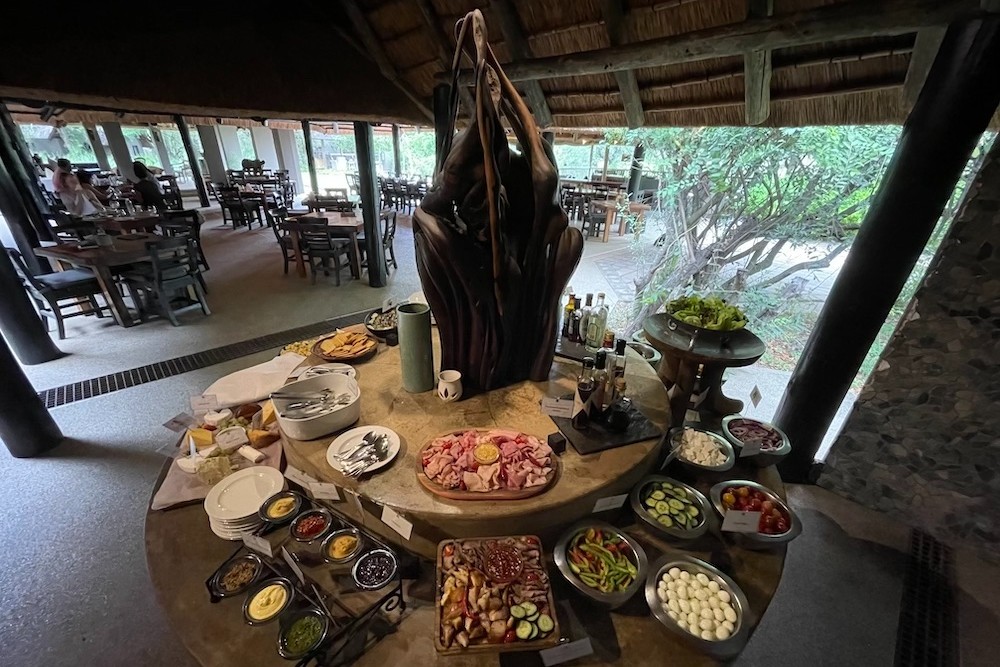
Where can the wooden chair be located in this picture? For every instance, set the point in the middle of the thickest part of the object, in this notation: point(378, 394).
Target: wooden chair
point(237, 210)
point(336, 193)
point(353, 185)
point(51, 291)
point(333, 204)
point(387, 220)
point(172, 266)
point(280, 228)
point(181, 223)
point(319, 248)
point(171, 192)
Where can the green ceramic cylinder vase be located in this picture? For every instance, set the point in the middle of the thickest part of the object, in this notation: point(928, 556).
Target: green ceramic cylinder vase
point(415, 352)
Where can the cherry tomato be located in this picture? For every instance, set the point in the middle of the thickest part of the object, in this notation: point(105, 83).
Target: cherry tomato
point(743, 491)
point(767, 505)
point(728, 499)
point(781, 526)
point(449, 550)
point(510, 637)
point(753, 505)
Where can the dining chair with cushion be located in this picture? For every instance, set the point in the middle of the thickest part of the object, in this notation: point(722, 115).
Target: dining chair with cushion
point(387, 220)
point(172, 266)
point(319, 248)
point(237, 210)
point(52, 293)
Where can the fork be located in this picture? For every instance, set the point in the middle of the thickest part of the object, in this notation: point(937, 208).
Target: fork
point(380, 453)
point(367, 441)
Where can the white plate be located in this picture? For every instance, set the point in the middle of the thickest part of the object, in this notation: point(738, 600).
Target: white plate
point(230, 535)
point(235, 525)
point(240, 495)
point(350, 439)
point(324, 369)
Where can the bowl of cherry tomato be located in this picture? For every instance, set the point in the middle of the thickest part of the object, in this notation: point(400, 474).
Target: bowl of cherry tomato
point(777, 523)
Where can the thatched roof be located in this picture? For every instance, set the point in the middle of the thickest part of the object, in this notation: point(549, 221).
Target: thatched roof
point(579, 63)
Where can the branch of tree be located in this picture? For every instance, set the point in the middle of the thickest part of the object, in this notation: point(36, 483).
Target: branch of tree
point(821, 263)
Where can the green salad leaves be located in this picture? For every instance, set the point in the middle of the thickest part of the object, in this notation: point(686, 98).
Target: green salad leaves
point(708, 313)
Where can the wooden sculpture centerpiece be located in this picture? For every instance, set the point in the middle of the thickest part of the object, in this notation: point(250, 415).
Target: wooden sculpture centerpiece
point(494, 248)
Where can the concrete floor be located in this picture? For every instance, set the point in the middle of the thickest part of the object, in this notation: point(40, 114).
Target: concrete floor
point(76, 588)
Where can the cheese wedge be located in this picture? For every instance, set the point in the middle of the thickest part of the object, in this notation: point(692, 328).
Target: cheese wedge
point(261, 439)
point(202, 437)
point(267, 415)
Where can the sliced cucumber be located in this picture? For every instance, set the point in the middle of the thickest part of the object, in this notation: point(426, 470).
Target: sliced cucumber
point(692, 511)
point(665, 520)
point(534, 632)
point(658, 495)
point(662, 507)
point(676, 504)
point(653, 512)
point(546, 624)
point(532, 618)
point(529, 608)
point(650, 501)
point(666, 486)
point(523, 630)
point(517, 611)
point(681, 519)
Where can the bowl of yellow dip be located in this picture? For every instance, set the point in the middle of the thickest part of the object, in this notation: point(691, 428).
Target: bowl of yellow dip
point(341, 546)
point(267, 600)
point(281, 508)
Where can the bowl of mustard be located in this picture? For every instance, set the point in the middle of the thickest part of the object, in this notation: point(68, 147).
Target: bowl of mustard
point(281, 508)
point(267, 600)
point(341, 546)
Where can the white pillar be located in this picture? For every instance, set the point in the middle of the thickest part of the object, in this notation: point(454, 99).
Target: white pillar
point(288, 155)
point(230, 146)
point(119, 148)
point(215, 161)
point(161, 150)
point(95, 142)
point(263, 145)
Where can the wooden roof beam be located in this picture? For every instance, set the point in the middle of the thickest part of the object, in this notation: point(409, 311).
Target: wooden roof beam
point(823, 24)
point(924, 51)
point(506, 15)
point(444, 50)
point(373, 46)
point(757, 70)
point(613, 12)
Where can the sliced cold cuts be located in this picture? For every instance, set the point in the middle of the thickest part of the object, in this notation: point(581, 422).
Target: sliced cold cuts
point(482, 461)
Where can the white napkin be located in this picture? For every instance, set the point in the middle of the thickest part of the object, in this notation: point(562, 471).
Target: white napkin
point(255, 383)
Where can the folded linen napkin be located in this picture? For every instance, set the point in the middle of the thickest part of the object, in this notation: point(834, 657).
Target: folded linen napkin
point(255, 383)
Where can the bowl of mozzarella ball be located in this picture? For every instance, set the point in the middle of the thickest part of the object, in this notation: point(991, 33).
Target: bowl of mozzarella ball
point(697, 602)
point(703, 450)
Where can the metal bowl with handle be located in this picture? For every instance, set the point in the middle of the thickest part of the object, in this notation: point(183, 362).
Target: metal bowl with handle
point(640, 492)
point(763, 458)
point(758, 540)
point(635, 555)
point(720, 442)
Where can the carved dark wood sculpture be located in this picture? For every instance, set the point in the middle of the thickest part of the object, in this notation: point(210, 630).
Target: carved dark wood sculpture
point(494, 249)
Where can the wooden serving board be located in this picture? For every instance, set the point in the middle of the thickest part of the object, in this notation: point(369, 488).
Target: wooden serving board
point(548, 641)
point(499, 494)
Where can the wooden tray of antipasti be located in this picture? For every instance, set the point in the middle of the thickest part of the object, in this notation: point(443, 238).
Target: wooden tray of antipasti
point(486, 464)
point(493, 595)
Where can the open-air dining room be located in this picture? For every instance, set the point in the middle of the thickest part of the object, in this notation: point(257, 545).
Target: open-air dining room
point(502, 333)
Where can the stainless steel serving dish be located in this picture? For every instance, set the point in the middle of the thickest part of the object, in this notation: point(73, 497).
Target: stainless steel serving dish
point(697, 498)
point(217, 579)
point(760, 459)
point(299, 504)
point(318, 537)
point(757, 539)
point(719, 649)
point(638, 559)
point(287, 623)
point(325, 549)
point(366, 555)
point(723, 444)
point(290, 595)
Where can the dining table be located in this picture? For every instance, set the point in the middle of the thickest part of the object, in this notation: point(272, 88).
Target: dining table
point(610, 207)
point(125, 249)
point(341, 225)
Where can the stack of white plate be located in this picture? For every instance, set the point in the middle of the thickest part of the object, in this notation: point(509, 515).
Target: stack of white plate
point(232, 504)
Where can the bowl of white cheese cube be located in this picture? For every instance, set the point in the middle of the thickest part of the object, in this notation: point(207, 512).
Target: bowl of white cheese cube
point(698, 603)
point(702, 450)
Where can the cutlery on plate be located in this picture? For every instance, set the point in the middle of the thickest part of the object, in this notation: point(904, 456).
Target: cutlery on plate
point(358, 450)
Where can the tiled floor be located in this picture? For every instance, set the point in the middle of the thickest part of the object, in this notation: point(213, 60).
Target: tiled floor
point(75, 586)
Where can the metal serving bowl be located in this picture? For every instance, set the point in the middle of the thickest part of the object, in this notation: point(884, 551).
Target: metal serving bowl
point(378, 333)
point(299, 503)
point(365, 556)
point(637, 557)
point(325, 549)
point(697, 498)
point(217, 579)
point(723, 444)
point(293, 528)
point(720, 649)
point(289, 620)
point(760, 459)
point(757, 539)
point(648, 352)
point(281, 581)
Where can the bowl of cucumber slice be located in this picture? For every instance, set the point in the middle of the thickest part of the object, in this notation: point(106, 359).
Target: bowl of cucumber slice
point(671, 507)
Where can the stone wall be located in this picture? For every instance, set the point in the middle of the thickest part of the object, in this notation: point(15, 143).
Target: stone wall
point(923, 440)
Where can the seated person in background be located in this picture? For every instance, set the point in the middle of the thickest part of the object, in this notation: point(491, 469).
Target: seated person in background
point(147, 188)
point(67, 187)
point(85, 178)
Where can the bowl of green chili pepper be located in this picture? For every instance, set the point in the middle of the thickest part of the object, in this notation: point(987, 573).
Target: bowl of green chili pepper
point(302, 632)
point(601, 562)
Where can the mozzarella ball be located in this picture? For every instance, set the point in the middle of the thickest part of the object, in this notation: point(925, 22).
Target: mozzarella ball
point(685, 575)
point(718, 615)
point(707, 635)
point(724, 596)
point(684, 605)
point(713, 586)
point(729, 626)
point(730, 614)
point(693, 618)
point(672, 614)
point(702, 578)
point(674, 572)
point(662, 594)
point(673, 606)
point(722, 633)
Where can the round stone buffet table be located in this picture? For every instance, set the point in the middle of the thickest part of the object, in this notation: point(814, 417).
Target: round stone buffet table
point(182, 551)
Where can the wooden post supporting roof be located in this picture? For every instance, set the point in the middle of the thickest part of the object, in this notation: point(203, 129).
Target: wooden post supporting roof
point(963, 91)
point(822, 24)
point(196, 175)
point(26, 427)
point(397, 158)
point(373, 46)
point(757, 71)
point(924, 50)
point(614, 21)
point(444, 49)
point(364, 142)
point(310, 158)
point(517, 45)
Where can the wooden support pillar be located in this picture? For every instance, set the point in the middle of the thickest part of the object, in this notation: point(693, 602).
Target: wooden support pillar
point(757, 70)
point(21, 170)
point(959, 97)
point(310, 160)
point(16, 216)
point(199, 179)
point(604, 169)
point(161, 150)
point(635, 173)
point(215, 161)
point(442, 122)
point(397, 158)
point(100, 154)
point(549, 137)
point(119, 148)
point(364, 141)
point(26, 427)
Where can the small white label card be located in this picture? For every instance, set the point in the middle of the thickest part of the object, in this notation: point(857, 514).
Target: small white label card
point(755, 396)
point(566, 652)
point(299, 477)
point(741, 522)
point(692, 416)
point(258, 544)
point(610, 503)
point(388, 304)
point(205, 403)
point(395, 520)
point(558, 407)
point(293, 564)
point(324, 491)
point(750, 447)
point(180, 422)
